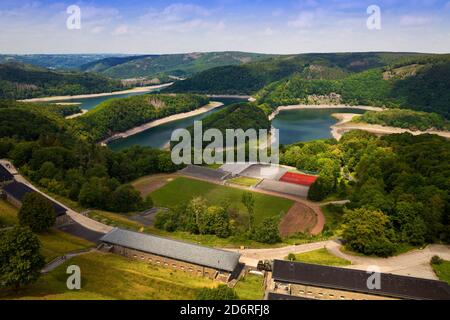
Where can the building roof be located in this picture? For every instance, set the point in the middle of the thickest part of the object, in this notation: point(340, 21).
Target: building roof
point(18, 191)
point(5, 175)
point(178, 250)
point(356, 280)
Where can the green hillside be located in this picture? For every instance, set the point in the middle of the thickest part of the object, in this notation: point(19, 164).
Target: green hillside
point(421, 85)
point(20, 81)
point(54, 61)
point(117, 115)
point(179, 65)
point(249, 78)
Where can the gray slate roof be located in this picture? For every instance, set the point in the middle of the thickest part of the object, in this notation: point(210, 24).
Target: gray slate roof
point(178, 250)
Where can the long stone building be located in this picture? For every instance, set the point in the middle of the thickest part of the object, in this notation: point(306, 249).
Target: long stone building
point(191, 258)
point(292, 280)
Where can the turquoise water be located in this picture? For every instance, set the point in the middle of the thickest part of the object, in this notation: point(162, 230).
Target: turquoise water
point(307, 125)
point(159, 137)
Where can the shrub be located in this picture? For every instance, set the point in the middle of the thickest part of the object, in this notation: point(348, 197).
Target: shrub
point(436, 260)
point(222, 292)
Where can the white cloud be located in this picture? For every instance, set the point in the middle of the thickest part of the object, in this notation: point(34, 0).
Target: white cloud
point(268, 32)
point(121, 30)
point(415, 20)
point(303, 20)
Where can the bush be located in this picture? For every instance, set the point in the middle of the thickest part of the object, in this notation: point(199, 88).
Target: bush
point(291, 257)
point(20, 258)
point(222, 292)
point(436, 260)
point(267, 231)
point(37, 212)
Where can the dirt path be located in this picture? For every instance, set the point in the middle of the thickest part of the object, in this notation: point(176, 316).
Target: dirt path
point(345, 125)
point(97, 95)
point(148, 184)
point(131, 132)
point(299, 218)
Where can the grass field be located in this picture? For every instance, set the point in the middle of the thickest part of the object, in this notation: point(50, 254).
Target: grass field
point(250, 288)
point(56, 243)
point(8, 214)
point(108, 276)
point(182, 190)
point(244, 181)
point(442, 271)
point(321, 256)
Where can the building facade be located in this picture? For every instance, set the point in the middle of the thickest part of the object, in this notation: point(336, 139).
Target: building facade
point(196, 260)
point(310, 281)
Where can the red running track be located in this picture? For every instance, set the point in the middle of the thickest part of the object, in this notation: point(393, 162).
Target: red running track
point(298, 178)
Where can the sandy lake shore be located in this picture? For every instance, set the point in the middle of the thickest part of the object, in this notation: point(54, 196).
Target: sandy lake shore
point(344, 125)
point(320, 106)
point(212, 105)
point(97, 95)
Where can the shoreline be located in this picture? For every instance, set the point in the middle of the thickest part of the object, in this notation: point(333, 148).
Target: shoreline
point(98, 95)
point(179, 116)
point(76, 115)
point(344, 125)
point(320, 106)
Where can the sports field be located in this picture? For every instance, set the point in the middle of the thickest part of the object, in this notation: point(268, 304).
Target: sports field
point(298, 178)
point(181, 190)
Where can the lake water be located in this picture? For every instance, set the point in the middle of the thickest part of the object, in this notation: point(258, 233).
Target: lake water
point(294, 125)
point(159, 137)
point(307, 125)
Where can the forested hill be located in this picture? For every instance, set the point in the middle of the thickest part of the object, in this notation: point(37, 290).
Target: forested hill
point(20, 81)
point(178, 65)
point(249, 78)
point(118, 115)
point(421, 85)
point(416, 81)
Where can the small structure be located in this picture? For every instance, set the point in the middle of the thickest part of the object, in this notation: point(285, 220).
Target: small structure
point(5, 176)
point(16, 191)
point(332, 283)
point(191, 258)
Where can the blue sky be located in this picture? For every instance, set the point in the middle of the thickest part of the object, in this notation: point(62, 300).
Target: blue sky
point(289, 26)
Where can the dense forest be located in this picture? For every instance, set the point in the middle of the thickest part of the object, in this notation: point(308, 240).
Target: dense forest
point(118, 115)
point(394, 87)
point(403, 118)
point(19, 81)
point(415, 81)
point(52, 153)
point(398, 186)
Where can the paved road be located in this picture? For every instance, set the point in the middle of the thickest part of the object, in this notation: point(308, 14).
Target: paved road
point(77, 217)
point(415, 263)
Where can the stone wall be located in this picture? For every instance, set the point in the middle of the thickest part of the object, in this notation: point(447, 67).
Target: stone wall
point(319, 293)
point(157, 260)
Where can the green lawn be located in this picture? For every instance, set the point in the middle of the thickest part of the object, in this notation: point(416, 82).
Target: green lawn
point(321, 256)
point(56, 243)
point(8, 214)
point(442, 271)
point(250, 288)
point(182, 190)
point(108, 276)
point(244, 181)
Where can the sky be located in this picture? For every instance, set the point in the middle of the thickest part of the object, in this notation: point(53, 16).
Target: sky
point(282, 27)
